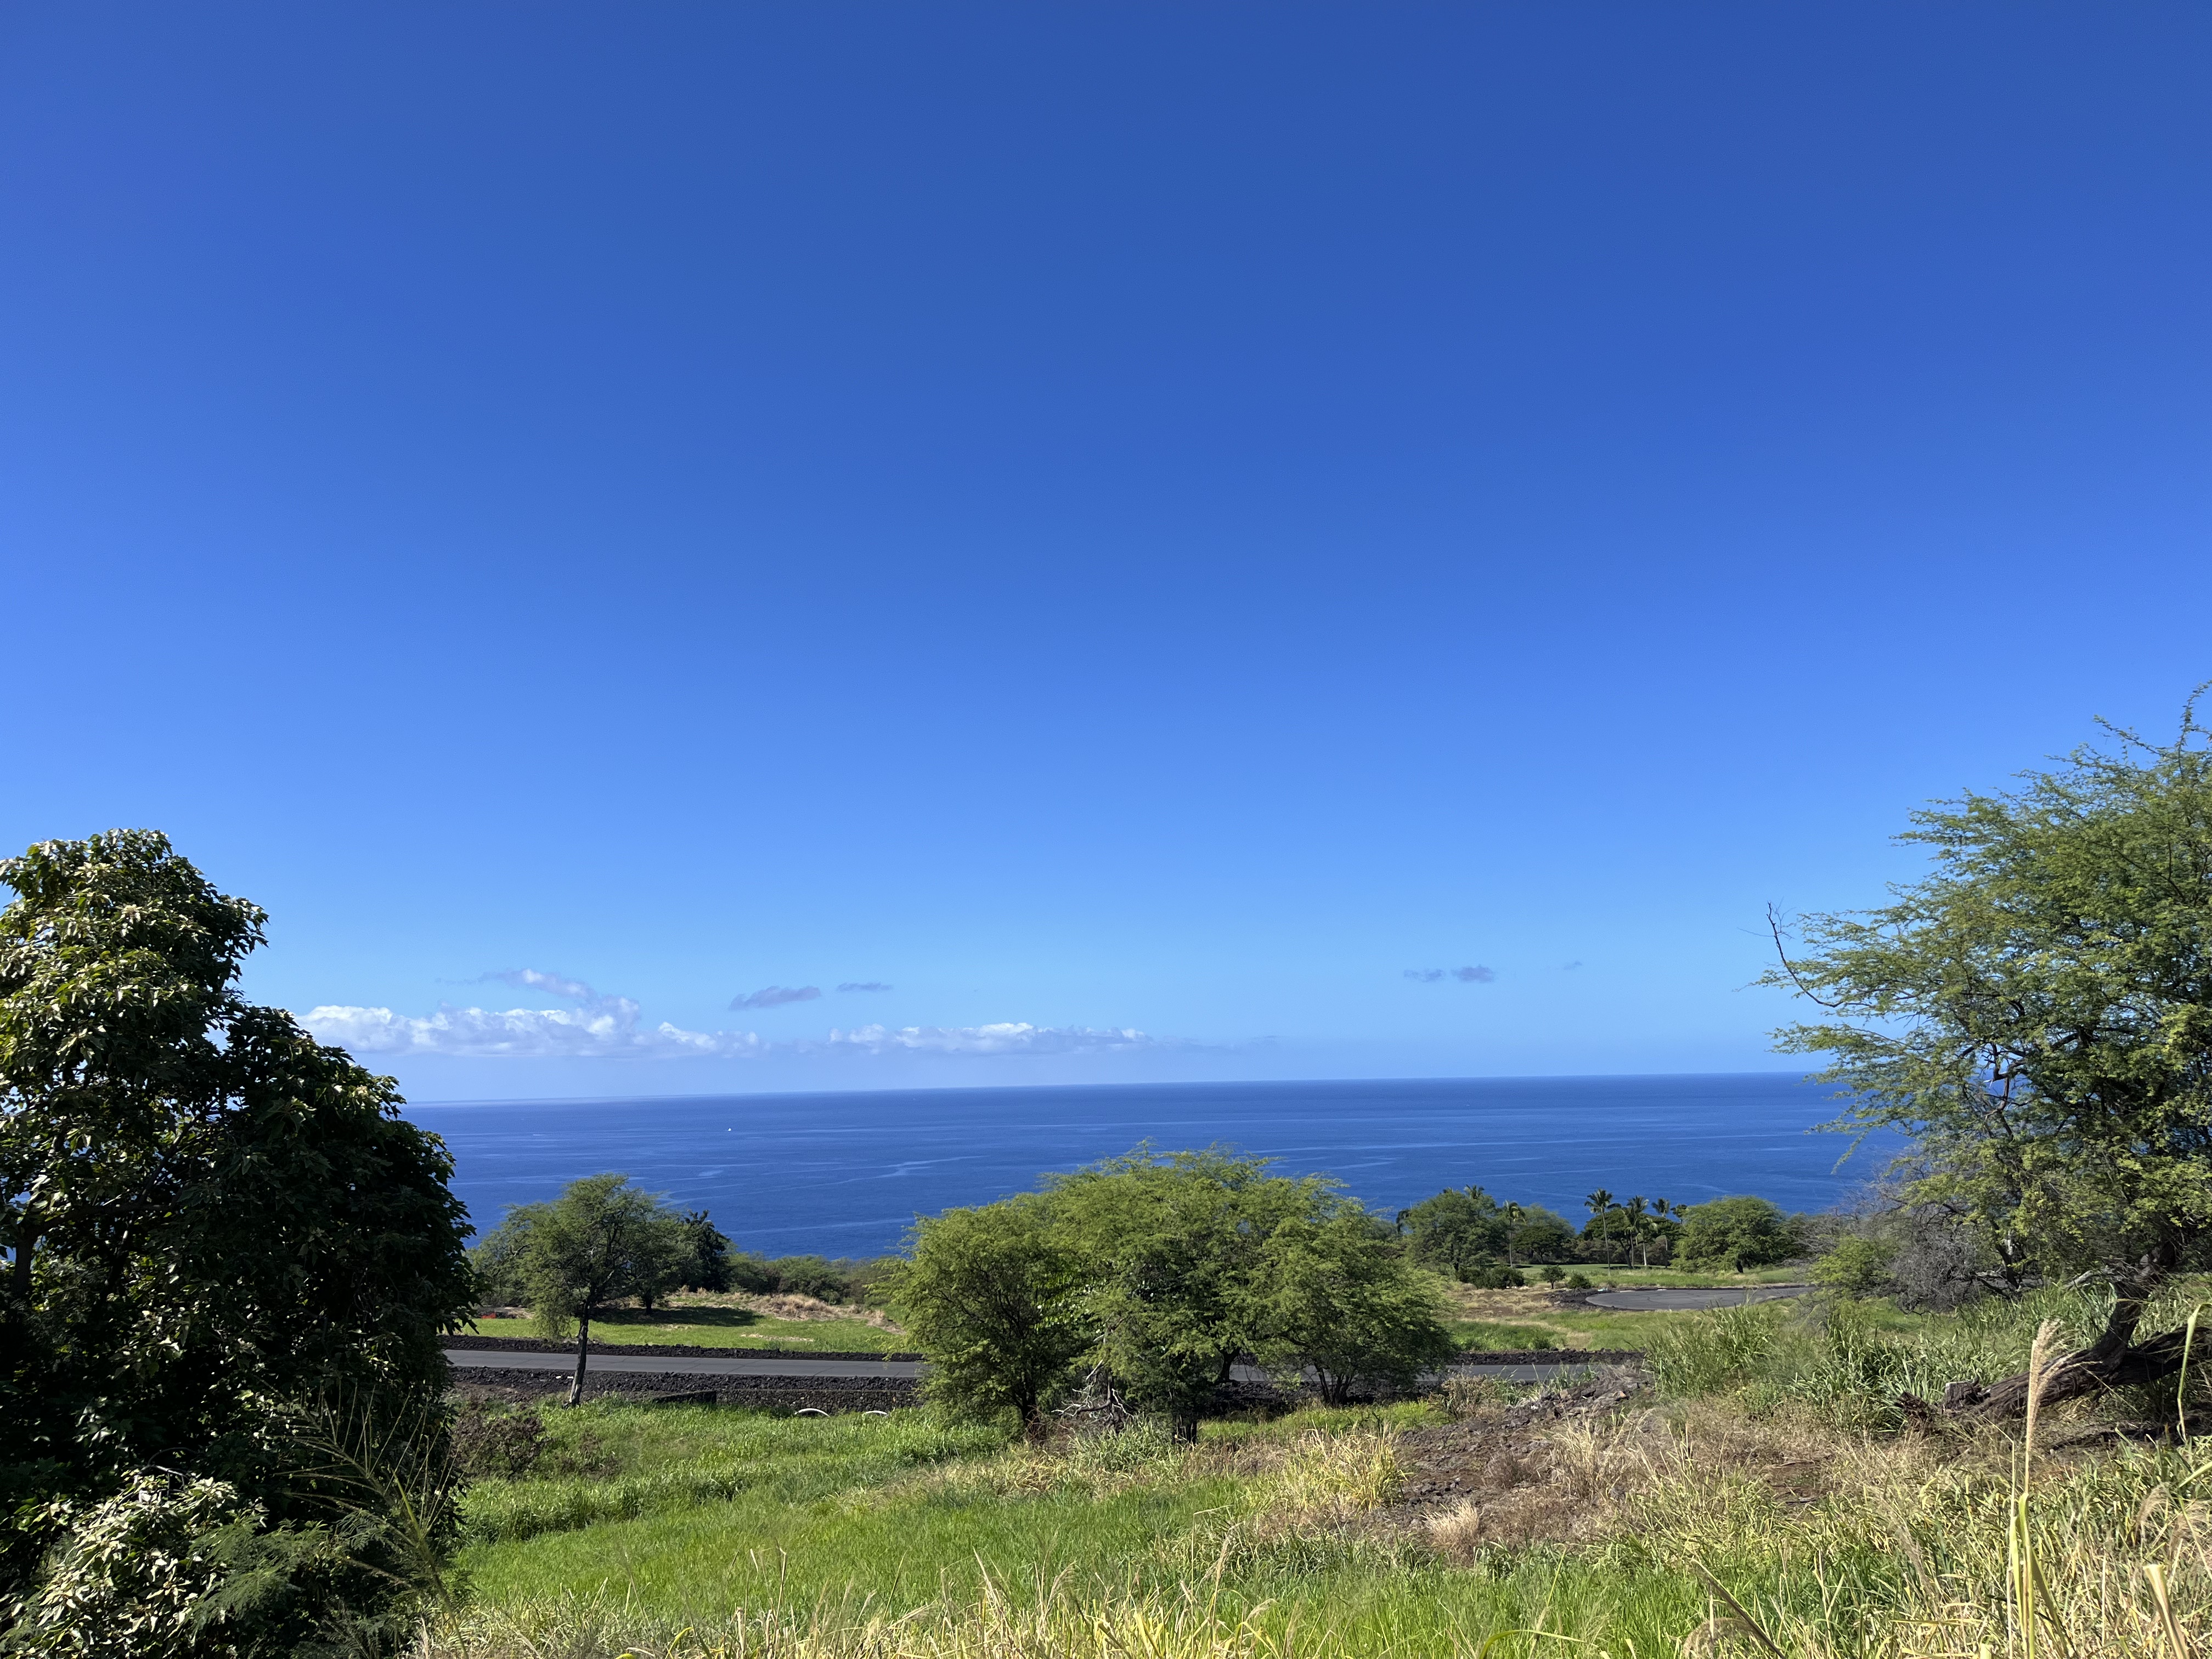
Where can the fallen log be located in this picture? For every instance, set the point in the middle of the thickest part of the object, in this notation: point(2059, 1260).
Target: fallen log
point(2098, 1369)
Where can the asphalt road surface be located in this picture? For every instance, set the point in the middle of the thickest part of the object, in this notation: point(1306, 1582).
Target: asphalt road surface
point(1677, 1301)
point(759, 1364)
point(707, 1363)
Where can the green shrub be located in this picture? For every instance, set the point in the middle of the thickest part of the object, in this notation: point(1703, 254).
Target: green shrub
point(175, 1565)
point(1578, 1281)
point(1856, 1266)
point(1737, 1233)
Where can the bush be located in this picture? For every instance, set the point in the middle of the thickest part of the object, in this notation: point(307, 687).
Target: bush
point(1856, 1266)
point(753, 1274)
point(810, 1275)
point(1738, 1233)
point(1553, 1275)
point(1578, 1281)
point(172, 1564)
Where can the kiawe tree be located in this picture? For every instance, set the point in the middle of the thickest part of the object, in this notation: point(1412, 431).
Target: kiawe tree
point(1173, 1254)
point(209, 1218)
point(992, 1295)
point(603, 1241)
point(2036, 1013)
point(1341, 1300)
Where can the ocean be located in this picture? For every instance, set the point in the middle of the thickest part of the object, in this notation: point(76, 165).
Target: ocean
point(845, 1174)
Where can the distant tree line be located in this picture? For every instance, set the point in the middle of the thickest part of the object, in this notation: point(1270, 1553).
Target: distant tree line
point(1481, 1240)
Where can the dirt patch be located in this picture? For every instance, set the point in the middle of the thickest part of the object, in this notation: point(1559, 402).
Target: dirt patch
point(780, 1305)
point(1566, 1465)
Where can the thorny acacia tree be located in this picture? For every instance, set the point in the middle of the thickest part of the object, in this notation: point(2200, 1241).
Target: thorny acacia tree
point(992, 1296)
point(601, 1242)
point(206, 1214)
point(2038, 1014)
point(1173, 1250)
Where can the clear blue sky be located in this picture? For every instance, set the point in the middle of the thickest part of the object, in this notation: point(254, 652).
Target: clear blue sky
point(1101, 518)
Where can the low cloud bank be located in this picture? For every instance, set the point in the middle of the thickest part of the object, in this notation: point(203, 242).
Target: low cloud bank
point(608, 1028)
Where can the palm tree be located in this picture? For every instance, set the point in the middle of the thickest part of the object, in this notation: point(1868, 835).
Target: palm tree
point(1600, 1203)
point(1513, 1214)
point(1635, 1233)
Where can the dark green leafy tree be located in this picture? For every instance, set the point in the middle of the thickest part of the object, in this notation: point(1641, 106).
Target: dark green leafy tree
point(1341, 1301)
point(603, 1241)
point(1737, 1233)
point(991, 1295)
point(705, 1265)
point(1173, 1252)
point(1542, 1235)
point(1455, 1229)
point(2036, 1013)
point(206, 1213)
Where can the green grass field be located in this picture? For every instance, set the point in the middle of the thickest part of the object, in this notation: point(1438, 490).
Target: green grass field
point(1771, 1460)
point(709, 1327)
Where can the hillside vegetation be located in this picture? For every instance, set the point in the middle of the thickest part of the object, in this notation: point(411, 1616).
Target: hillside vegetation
point(1761, 1456)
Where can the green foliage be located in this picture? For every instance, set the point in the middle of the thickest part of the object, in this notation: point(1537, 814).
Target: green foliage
point(1158, 1271)
point(1553, 1275)
point(862, 1283)
point(1338, 1297)
point(1493, 1276)
point(1174, 1255)
point(207, 1213)
point(703, 1263)
point(610, 1462)
point(1856, 1266)
point(1737, 1233)
point(602, 1241)
point(1540, 1235)
point(1578, 1281)
point(992, 1296)
point(811, 1275)
point(2037, 1012)
point(1455, 1229)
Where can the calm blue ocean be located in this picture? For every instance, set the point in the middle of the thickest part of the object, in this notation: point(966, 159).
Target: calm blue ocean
point(844, 1174)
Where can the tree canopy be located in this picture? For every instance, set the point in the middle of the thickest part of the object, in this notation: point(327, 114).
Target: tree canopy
point(992, 1296)
point(1737, 1233)
point(1158, 1271)
point(2036, 1013)
point(207, 1214)
point(602, 1241)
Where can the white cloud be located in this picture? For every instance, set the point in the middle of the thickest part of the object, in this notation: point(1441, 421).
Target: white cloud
point(1015, 1037)
point(608, 1027)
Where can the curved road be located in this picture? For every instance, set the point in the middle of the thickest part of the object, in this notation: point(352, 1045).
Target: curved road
point(1687, 1301)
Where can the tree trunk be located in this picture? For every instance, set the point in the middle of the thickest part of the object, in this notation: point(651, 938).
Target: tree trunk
point(2114, 1360)
point(583, 1350)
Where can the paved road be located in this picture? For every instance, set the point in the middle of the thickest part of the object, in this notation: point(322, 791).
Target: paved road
point(710, 1364)
point(1686, 1300)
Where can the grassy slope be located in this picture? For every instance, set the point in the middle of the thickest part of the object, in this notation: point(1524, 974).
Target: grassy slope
point(649, 1520)
point(845, 1513)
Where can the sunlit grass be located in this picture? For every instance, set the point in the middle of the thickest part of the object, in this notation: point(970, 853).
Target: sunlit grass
point(716, 1535)
point(711, 1326)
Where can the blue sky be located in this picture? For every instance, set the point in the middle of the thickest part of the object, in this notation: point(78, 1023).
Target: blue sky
point(1148, 531)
